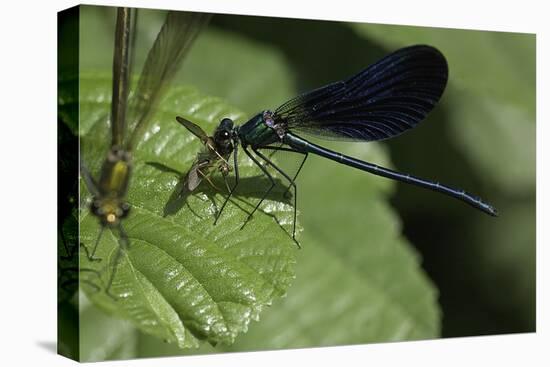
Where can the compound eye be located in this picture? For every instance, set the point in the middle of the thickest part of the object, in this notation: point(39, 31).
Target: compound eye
point(96, 207)
point(125, 209)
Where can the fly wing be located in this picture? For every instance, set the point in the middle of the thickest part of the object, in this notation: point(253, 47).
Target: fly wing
point(192, 179)
point(194, 129)
point(173, 42)
point(380, 102)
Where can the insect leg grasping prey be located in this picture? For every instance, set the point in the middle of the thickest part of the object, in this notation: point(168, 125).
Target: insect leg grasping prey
point(380, 102)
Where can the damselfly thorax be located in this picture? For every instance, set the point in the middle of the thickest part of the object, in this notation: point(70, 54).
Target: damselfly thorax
point(110, 205)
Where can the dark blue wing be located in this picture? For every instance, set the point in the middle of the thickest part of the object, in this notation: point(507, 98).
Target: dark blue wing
point(380, 102)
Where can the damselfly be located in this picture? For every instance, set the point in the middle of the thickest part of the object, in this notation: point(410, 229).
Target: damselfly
point(380, 102)
point(109, 202)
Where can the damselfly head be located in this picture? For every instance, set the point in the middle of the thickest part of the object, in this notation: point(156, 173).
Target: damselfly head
point(110, 210)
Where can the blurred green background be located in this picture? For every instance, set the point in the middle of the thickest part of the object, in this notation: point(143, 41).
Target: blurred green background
point(380, 261)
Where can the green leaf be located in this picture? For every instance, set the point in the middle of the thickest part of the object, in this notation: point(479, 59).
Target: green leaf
point(103, 337)
point(506, 264)
point(486, 127)
point(184, 279)
point(498, 137)
point(374, 285)
point(358, 280)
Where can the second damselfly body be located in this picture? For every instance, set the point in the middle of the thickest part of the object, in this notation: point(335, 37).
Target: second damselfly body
point(130, 114)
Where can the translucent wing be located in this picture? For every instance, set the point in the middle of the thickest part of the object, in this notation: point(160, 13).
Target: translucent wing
point(382, 101)
point(171, 45)
point(125, 31)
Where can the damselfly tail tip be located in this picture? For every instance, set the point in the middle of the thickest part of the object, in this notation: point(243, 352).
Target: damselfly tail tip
point(489, 209)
